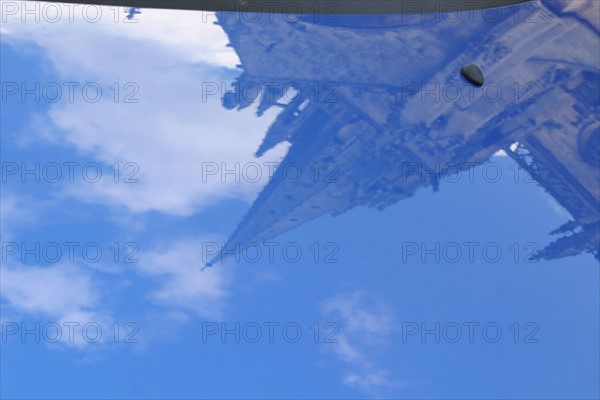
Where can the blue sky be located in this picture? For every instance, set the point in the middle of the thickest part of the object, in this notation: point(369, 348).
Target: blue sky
point(369, 297)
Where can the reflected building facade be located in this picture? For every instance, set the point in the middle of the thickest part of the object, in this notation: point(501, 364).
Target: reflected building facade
point(380, 109)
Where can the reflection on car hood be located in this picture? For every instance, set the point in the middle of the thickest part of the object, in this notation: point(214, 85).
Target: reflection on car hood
point(381, 106)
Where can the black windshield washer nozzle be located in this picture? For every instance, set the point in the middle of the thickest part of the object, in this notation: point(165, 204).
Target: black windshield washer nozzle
point(473, 74)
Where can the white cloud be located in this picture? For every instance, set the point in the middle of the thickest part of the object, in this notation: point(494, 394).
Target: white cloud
point(14, 211)
point(359, 316)
point(52, 291)
point(366, 325)
point(346, 351)
point(60, 294)
point(372, 381)
point(190, 35)
point(184, 287)
point(171, 132)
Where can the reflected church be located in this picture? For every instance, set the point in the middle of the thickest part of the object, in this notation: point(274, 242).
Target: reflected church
point(382, 114)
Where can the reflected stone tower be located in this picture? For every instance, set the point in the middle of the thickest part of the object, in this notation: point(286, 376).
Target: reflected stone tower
point(381, 109)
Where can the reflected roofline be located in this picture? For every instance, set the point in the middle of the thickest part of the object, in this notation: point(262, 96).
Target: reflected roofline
point(310, 6)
